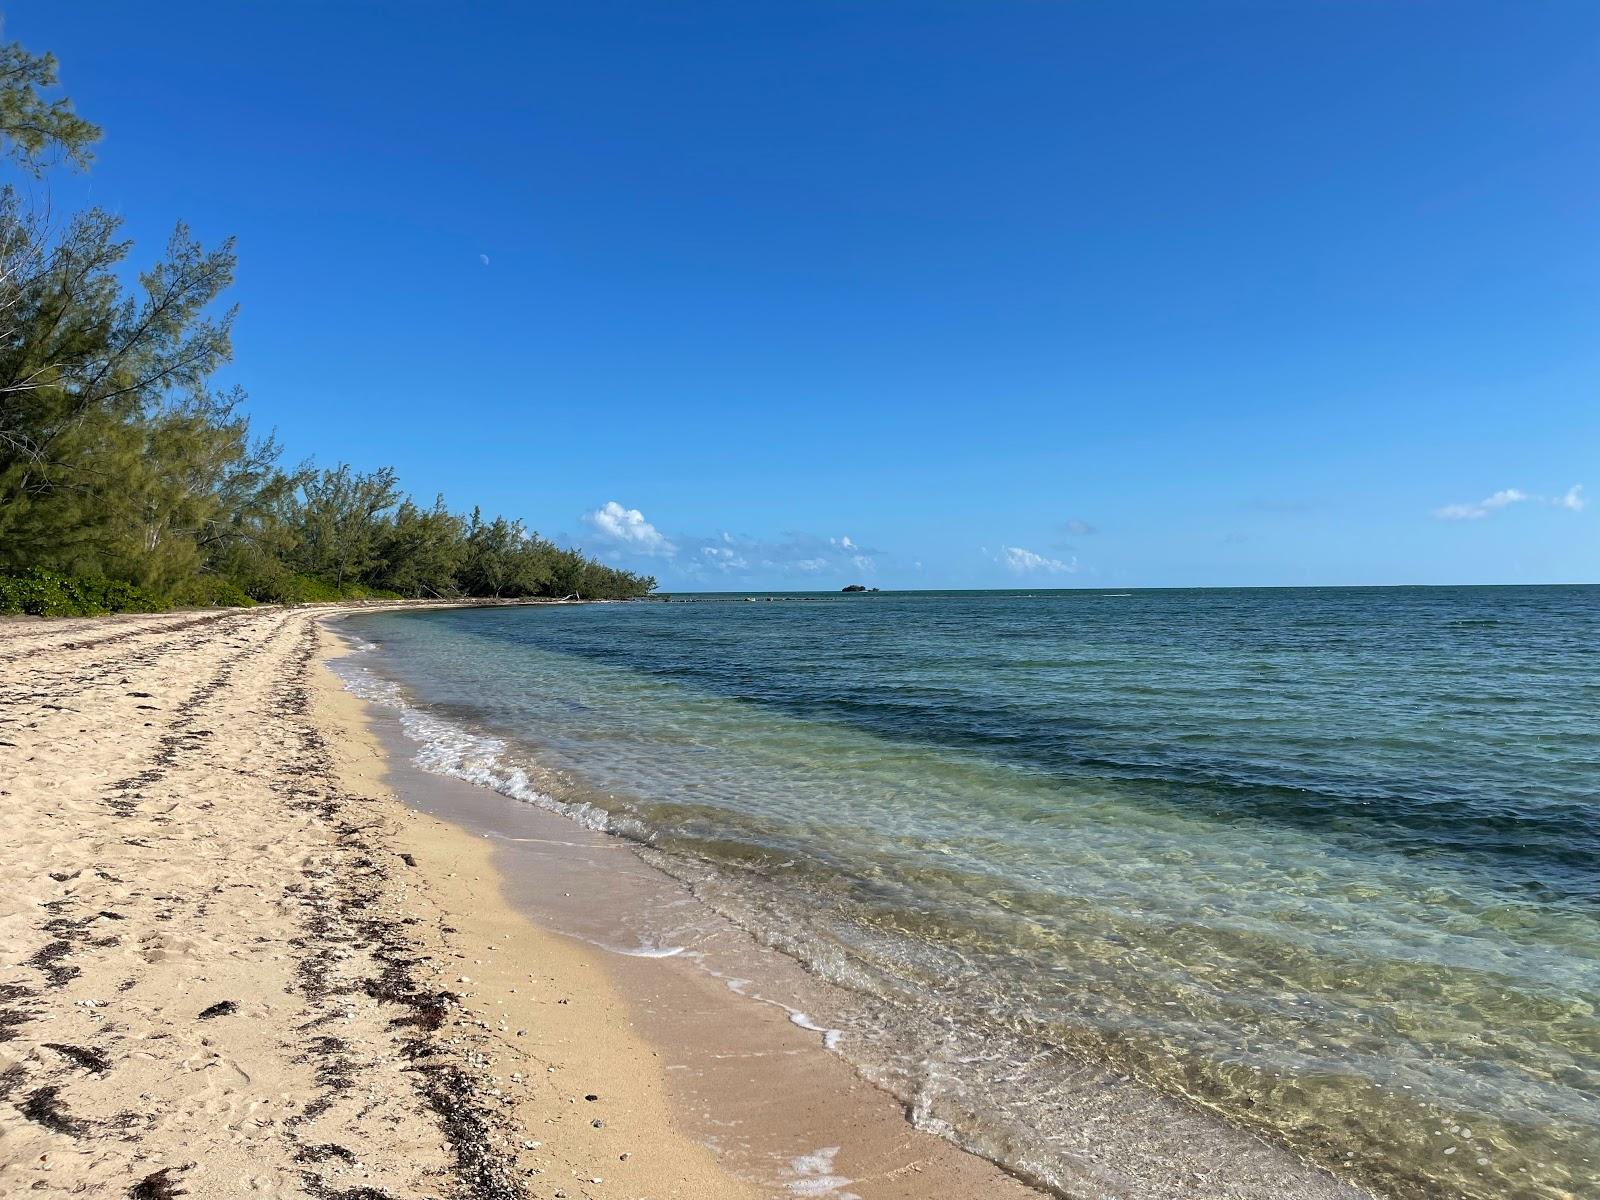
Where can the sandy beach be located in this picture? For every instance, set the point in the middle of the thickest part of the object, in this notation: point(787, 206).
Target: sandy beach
point(798, 602)
point(233, 963)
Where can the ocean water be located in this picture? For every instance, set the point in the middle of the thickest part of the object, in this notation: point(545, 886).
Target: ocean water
point(1324, 862)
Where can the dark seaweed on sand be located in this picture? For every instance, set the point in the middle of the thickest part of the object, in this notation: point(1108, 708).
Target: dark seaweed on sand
point(86, 1057)
point(157, 1186)
point(43, 1107)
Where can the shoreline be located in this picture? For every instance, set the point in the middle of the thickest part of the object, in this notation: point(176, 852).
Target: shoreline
point(551, 1015)
point(1131, 1141)
point(745, 1073)
point(250, 950)
point(233, 963)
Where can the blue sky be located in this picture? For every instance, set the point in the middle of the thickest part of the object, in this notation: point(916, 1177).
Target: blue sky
point(920, 295)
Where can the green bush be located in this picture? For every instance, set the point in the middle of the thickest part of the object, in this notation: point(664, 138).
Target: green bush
point(49, 594)
point(211, 591)
point(304, 589)
point(43, 593)
point(308, 589)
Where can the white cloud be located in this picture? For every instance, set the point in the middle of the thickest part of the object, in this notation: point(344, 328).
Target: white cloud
point(723, 558)
point(795, 554)
point(1078, 528)
point(1482, 508)
point(627, 527)
point(1026, 562)
point(1572, 500)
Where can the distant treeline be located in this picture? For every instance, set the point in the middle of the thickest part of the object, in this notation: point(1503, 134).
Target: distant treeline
point(128, 481)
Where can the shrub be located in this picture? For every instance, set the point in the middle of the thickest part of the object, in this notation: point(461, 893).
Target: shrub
point(210, 591)
point(308, 589)
point(305, 589)
point(49, 594)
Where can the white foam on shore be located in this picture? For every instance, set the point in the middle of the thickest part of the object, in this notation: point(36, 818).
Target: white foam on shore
point(830, 1037)
point(646, 951)
point(813, 1175)
point(445, 748)
point(539, 841)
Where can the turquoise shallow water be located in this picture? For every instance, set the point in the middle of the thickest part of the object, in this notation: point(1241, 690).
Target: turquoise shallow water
point(1324, 861)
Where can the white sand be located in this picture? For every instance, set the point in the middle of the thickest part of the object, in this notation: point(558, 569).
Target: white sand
point(192, 819)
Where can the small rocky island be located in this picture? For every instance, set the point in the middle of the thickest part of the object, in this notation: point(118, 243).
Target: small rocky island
point(857, 587)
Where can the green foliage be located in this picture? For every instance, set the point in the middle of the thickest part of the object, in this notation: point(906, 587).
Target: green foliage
point(113, 456)
point(48, 594)
point(34, 130)
point(422, 552)
point(308, 589)
point(210, 591)
point(119, 463)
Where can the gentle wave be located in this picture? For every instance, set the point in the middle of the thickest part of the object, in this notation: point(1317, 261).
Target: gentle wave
point(446, 748)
